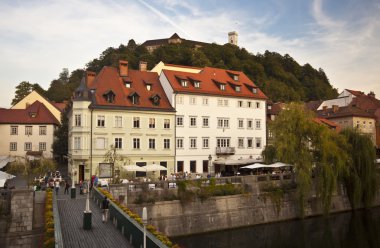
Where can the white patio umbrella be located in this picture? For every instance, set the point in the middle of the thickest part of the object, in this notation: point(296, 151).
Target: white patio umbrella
point(154, 167)
point(254, 166)
point(4, 175)
point(279, 164)
point(133, 167)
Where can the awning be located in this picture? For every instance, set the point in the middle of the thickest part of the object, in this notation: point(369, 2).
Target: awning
point(4, 160)
point(258, 165)
point(237, 161)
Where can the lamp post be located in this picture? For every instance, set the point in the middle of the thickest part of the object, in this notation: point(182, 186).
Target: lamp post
point(209, 165)
point(145, 221)
point(87, 214)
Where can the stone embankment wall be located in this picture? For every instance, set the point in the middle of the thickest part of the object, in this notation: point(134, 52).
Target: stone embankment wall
point(225, 212)
point(24, 218)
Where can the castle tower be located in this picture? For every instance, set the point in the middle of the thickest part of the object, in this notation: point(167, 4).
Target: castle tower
point(233, 38)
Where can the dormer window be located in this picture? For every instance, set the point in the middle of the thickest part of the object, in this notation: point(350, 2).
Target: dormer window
point(197, 84)
point(183, 82)
point(155, 99)
point(237, 88)
point(32, 114)
point(222, 86)
point(109, 96)
point(149, 87)
point(254, 90)
point(235, 77)
point(134, 97)
point(128, 85)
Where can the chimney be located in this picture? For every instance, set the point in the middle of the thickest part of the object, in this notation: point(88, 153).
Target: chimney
point(143, 65)
point(90, 76)
point(335, 108)
point(372, 94)
point(123, 68)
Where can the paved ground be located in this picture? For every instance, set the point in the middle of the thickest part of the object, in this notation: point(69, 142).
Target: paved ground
point(102, 234)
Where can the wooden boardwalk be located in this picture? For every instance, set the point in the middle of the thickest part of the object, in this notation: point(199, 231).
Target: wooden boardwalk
point(102, 235)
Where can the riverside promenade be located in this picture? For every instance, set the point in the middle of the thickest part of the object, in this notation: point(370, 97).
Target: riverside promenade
point(71, 219)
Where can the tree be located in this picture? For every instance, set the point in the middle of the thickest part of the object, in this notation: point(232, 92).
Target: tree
point(112, 157)
point(361, 177)
point(313, 150)
point(60, 144)
point(28, 169)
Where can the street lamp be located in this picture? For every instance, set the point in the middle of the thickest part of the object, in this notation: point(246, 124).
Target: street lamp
point(145, 221)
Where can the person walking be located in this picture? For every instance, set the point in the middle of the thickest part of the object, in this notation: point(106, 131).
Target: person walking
point(67, 186)
point(105, 204)
point(56, 185)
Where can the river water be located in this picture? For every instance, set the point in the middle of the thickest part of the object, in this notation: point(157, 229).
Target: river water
point(360, 229)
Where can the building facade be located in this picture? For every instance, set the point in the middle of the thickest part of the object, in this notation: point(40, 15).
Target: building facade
point(127, 109)
point(220, 119)
point(28, 131)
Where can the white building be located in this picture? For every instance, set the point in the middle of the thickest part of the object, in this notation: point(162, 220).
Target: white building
point(220, 119)
point(125, 108)
point(28, 131)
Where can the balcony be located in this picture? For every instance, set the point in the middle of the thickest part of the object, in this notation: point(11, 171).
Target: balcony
point(225, 150)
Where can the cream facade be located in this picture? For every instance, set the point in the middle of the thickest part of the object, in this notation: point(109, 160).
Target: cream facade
point(17, 139)
point(363, 124)
point(141, 137)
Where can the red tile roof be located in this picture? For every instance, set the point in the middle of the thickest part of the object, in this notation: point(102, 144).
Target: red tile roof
point(210, 78)
point(355, 92)
point(329, 124)
point(60, 105)
point(347, 111)
point(109, 80)
point(36, 113)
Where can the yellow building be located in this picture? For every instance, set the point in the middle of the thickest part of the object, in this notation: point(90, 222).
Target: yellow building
point(124, 108)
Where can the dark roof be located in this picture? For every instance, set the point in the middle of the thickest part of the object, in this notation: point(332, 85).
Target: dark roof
point(165, 41)
point(313, 105)
point(276, 108)
point(36, 113)
point(348, 111)
point(210, 78)
point(108, 80)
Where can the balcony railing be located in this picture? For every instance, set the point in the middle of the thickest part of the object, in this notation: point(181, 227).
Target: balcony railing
point(224, 150)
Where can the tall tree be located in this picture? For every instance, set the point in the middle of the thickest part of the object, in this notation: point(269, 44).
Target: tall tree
point(23, 89)
point(60, 144)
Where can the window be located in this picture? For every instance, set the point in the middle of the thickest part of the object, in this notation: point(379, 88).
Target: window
point(222, 87)
point(205, 101)
point(258, 124)
point(257, 104)
point(42, 146)
point(179, 120)
point(183, 83)
point(249, 104)
point(166, 123)
point(42, 130)
point(241, 142)
point(225, 103)
point(236, 77)
point(220, 102)
point(254, 90)
point(166, 143)
point(237, 88)
point(28, 146)
point(249, 142)
point(152, 144)
point(152, 123)
point(135, 99)
point(179, 143)
point(13, 146)
point(205, 166)
point(28, 130)
point(118, 143)
point(100, 143)
point(197, 84)
point(128, 85)
point(179, 166)
point(149, 87)
point(193, 166)
point(78, 120)
point(77, 143)
point(250, 124)
point(240, 104)
point(180, 100)
point(101, 121)
point(193, 143)
point(205, 121)
point(136, 122)
point(258, 142)
point(205, 142)
point(193, 100)
point(240, 123)
point(136, 143)
point(118, 121)
point(223, 142)
point(193, 121)
point(223, 123)
point(14, 130)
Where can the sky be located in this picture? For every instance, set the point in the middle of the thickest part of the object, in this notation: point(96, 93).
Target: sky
point(40, 38)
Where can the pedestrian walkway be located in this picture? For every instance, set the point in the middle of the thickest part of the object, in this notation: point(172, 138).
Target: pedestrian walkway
point(71, 216)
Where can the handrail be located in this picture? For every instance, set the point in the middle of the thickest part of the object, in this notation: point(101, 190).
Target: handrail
point(57, 224)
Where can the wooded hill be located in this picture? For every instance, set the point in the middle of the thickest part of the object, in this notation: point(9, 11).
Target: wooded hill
point(280, 77)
